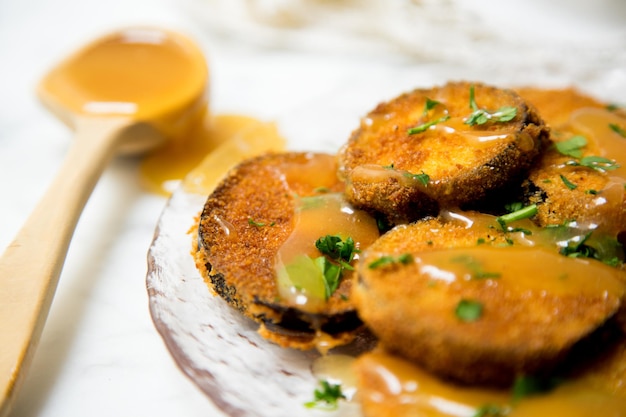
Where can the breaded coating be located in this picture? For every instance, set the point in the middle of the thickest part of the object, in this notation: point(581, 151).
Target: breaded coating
point(528, 306)
point(407, 174)
point(563, 189)
point(243, 225)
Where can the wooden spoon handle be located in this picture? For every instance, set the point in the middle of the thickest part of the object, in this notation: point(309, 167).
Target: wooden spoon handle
point(31, 264)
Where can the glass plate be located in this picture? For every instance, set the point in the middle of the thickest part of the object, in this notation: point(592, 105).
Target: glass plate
point(212, 343)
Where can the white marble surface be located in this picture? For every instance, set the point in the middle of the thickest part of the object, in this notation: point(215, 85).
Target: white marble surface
point(100, 354)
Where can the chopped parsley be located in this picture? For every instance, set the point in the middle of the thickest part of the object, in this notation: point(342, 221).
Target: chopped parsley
point(338, 250)
point(598, 163)
point(481, 116)
point(581, 249)
point(568, 183)
point(427, 125)
point(519, 214)
point(572, 147)
point(492, 410)
point(321, 190)
point(475, 267)
point(469, 310)
point(428, 106)
point(326, 397)
point(423, 178)
point(256, 223)
point(613, 107)
point(528, 385)
point(385, 260)
point(618, 129)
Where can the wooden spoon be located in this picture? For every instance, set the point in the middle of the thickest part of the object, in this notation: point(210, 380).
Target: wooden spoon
point(127, 92)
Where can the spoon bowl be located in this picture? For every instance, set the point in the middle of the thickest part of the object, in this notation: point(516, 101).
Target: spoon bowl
point(126, 92)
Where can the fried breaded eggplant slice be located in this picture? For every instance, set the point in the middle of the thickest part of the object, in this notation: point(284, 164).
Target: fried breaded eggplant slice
point(244, 226)
point(582, 174)
point(464, 303)
point(444, 146)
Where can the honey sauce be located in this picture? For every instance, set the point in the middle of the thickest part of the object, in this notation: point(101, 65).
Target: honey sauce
point(390, 386)
point(595, 125)
point(214, 144)
point(144, 74)
point(521, 268)
point(300, 279)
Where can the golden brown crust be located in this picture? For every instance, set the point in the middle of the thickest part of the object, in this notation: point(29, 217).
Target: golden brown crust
point(464, 163)
point(237, 258)
point(520, 331)
point(565, 193)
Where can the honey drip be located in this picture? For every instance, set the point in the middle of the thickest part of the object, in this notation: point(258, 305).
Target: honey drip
point(214, 145)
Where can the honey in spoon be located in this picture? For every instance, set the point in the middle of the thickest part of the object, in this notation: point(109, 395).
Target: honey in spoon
point(128, 91)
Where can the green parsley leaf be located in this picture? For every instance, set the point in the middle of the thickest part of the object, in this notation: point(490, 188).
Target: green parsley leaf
point(335, 248)
point(598, 163)
point(469, 310)
point(527, 385)
point(423, 178)
point(331, 274)
point(253, 222)
point(425, 126)
point(568, 183)
point(321, 190)
point(512, 207)
point(385, 260)
point(519, 214)
point(475, 267)
point(572, 147)
point(481, 116)
point(618, 129)
point(326, 397)
point(430, 104)
point(492, 410)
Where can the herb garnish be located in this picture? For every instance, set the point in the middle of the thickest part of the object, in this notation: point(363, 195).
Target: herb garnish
point(428, 106)
point(335, 248)
point(580, 249)
point(385, 260)
point(527, 385)
point(425, 126)
point(423, 178)
point(481, 116)
point(519, 214)
point(253, 222)
point(572, 147)
point(568, 183)
point(598, 163)
point(618, 129)
point(475, 267)
point(326, 397)
point(469, 310)
point(492, 410)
